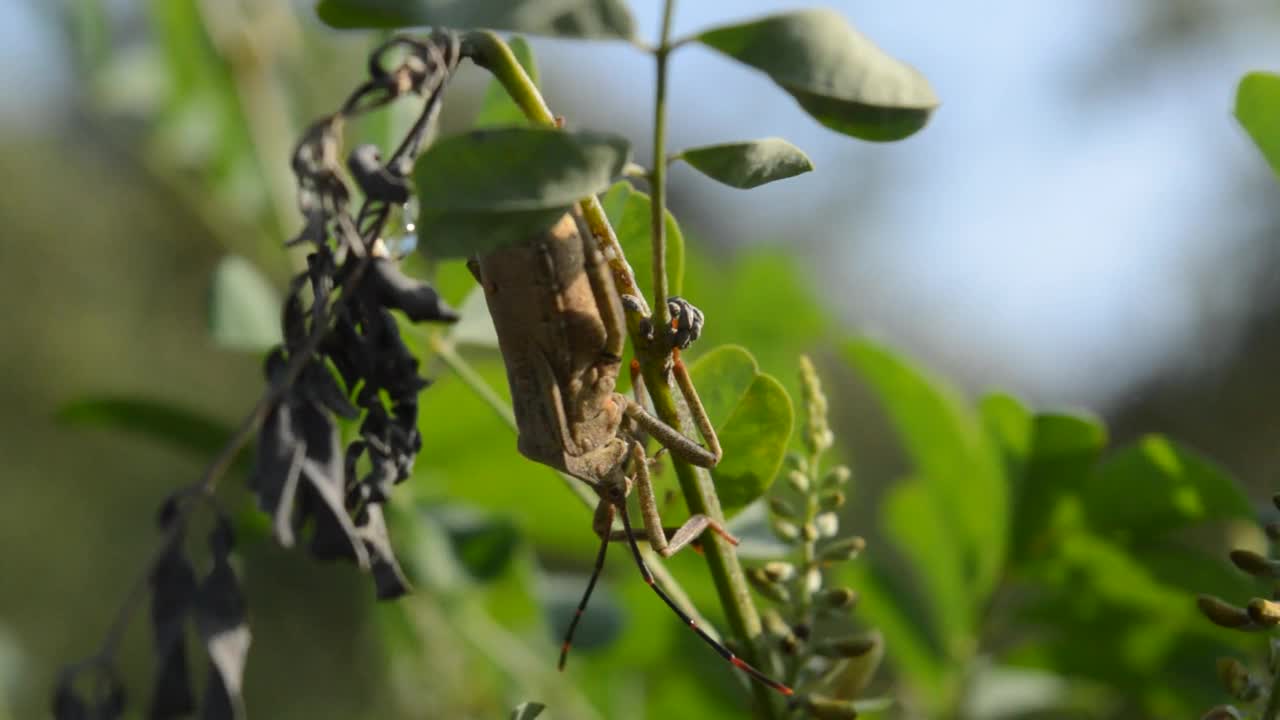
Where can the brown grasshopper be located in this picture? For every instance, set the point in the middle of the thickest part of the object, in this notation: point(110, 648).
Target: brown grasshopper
point(561, 330)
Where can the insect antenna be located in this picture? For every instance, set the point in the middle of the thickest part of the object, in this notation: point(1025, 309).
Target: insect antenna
point(582, 604)
point(724, 652)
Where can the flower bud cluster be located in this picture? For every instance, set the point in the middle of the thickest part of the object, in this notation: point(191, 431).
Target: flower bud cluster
point(809, 621)
point(1258, 614)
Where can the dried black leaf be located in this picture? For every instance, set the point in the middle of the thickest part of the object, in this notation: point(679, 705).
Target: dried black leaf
point(375, 181)
point(107, 702)
point(222, 538)
point(173, 589)
point(417, 300)
point(389, 580)
point(321, 387)
point(223, 625)
point(275, 450)
point(334, 534)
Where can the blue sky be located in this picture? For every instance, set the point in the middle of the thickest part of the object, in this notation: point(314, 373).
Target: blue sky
point(1053, 241)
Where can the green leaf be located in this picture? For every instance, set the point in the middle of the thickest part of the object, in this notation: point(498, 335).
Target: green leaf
point(916, 521)
point(836, 74)
point(176, 427)
point(951, 454)
point(527, 711)
point(483, 545)
point(498, 109)
point(752, 415)
point(629, 212)
point(1064, 449)
point(1155, 487)
point(745, 165)
point(244, 308)
point(488, 188)
point(562, 18)
point(1258, 110)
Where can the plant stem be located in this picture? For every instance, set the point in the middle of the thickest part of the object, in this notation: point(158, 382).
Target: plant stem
point(489, 51)
point(658, 177)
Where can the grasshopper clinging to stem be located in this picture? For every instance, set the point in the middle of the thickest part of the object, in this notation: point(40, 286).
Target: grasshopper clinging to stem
point(561, 329)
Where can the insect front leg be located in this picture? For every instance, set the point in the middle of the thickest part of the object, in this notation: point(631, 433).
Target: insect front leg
point(671, 438)
point(654, 531)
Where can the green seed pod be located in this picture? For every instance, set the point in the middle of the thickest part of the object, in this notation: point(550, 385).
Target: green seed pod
point(766, 587)
point(778, 628)
point(842, 550)
point(809, 532)
point(1255, 564)
point(833, 500)
point(798, 481)
point(826, 708)
point(839, 598)
point(796, 461)
point(837, 477)
point(1264, 612)
point(787, 532)
point(782, 509)
point(1236, 680)
point(1222, 712)
point(846, 647)
point(1222, 613)
point(827, 524)
point(778, 571)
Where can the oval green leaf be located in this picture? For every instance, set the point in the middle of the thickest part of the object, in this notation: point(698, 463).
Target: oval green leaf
point(1155, 487)
point(600, 19)
point(745, 165)
point(498, 109)
point(167, 424)
point(629, 212)
point(836, 73)
point(244, 308)
point(488, 188)
point(752, 414)
point(1258, 110)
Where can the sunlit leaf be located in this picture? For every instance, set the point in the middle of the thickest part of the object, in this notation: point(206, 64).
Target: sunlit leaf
point(564, 18)
point(951, 455)
point(916, 521)
point(1258, 110)
point(752, 415)
point(836, 74)
point(498, 109)
point(750, 164)
point(1064, 450)
point(488, 188)
point(1156, 487)
point(244, 308)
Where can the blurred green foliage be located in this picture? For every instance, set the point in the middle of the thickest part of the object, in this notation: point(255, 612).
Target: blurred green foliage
point(1018, 548)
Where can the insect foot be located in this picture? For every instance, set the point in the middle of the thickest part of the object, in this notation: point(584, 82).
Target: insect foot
point(686, 321)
